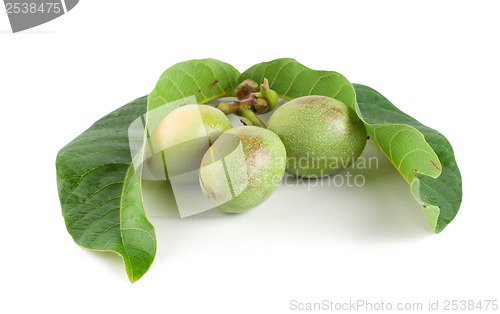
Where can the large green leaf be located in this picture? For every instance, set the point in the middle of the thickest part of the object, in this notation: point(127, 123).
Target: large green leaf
point(188, 82)
point(395, 134)
point(101, 195)
point(291, 79)
point(206, 79)
point(440, 196)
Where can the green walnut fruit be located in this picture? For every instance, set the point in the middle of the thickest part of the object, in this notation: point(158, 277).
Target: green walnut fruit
point(242, 168)
point(322, 135)
point(179, 141)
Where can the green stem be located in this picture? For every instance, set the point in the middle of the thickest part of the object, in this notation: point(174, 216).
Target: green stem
point(245, 121)
point(228, 108)
point(250, 104)
point(246, 112)
point(270, 95)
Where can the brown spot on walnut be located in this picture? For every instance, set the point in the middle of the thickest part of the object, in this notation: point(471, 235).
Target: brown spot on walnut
point(306, 100)
point(265, 194)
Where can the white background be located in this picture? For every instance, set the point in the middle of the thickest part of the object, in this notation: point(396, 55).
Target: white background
point(436, 60)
